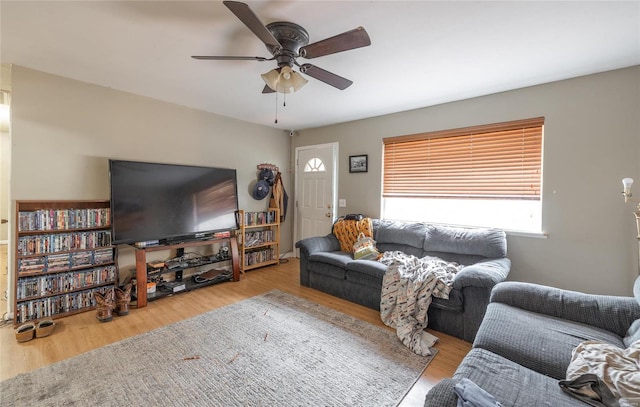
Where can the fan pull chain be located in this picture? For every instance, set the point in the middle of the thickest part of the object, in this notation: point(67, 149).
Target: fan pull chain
point(276, 122)
point(284, 104)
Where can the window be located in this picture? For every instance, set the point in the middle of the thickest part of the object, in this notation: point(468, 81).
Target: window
point(314, 165)
point(486, 175)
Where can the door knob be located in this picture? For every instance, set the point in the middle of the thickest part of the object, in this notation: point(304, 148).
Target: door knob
point(328, 215)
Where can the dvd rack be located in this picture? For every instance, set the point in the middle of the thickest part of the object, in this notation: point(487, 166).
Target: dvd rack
point(259, 238)
point(63, 255)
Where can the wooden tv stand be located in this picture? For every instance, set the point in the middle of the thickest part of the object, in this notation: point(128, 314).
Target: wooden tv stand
point(141, 261)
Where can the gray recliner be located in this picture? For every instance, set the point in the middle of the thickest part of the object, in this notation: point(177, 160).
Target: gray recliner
point(525, 342)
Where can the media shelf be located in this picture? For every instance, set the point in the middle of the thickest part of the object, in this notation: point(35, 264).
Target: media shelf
point(190, 285)
point(63, 255)
point(142, 272)
point(259, 238)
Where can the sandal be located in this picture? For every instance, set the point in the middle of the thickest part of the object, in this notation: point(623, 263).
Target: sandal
point(25, 332)
point(44, 328)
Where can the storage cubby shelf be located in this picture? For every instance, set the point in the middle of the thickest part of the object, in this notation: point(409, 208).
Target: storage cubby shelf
point(63, 255)
point(259, 238)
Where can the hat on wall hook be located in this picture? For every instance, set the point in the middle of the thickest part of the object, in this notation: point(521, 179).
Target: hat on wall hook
point(260, 190)
point(268, 173)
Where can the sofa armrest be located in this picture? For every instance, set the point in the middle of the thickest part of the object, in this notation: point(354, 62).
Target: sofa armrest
point(613, 313)
point(328, 243)
point(442, 394)
point(485, 274)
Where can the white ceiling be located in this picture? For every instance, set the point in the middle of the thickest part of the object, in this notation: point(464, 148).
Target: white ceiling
point(422, 52)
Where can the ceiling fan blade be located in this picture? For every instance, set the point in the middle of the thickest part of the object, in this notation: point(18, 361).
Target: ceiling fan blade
point(267, 89)
point(355, 38)
point(230, 58)
point(326, 76)
point(251, 20)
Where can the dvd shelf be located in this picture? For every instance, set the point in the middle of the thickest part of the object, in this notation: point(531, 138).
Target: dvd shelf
point(57, 306)
point(259, 238)
point(63, 255)
point(56, 219)
point(63, 282)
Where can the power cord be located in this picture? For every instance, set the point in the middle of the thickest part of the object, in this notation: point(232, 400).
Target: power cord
point(5, 321)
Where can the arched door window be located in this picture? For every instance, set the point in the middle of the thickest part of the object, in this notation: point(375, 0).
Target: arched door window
point(314, 165)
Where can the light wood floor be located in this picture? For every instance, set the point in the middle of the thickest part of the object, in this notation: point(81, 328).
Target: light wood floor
point(3, 278)
point(83, 332)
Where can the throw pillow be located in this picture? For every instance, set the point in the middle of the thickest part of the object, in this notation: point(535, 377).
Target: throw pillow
point(365, 248)
point(347, 232)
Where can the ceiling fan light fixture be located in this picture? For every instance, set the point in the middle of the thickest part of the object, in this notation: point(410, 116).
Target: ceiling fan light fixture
point(296, 82)
point(271, 78)
point(285, 73)
point(285, 81)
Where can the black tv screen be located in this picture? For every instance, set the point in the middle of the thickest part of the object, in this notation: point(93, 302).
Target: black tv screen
point(167, 202)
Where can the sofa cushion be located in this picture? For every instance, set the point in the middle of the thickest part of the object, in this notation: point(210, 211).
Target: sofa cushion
point(392, 247)
point(484, 242)
point(464, 259)
point(399, 233)
point(510, 383)
point(366, 272)
point(613, 313)
point(332, 264)
point(536, 341)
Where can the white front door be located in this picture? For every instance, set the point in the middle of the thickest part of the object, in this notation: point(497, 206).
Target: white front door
point(315, 190)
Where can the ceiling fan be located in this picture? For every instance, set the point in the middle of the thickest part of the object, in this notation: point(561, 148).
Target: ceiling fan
point(286, 42)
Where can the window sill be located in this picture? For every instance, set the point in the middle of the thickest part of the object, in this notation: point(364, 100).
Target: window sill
point(533, 235)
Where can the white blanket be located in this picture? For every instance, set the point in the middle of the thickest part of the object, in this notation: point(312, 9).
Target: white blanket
point(407, 289)
point(618, 368)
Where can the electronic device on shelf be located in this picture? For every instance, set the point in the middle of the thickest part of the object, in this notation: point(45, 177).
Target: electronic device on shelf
point(174, 286)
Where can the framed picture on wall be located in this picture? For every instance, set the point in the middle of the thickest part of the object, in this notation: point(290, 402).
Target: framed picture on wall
point(358, 163)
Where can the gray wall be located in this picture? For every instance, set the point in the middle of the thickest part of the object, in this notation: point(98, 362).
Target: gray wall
point(64, 131)
point(591, 141)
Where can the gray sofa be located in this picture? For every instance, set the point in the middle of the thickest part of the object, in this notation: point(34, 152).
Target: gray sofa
point(483, 251)
point(524, 344)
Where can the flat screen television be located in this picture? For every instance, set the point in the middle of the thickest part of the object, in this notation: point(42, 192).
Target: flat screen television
point(170, 203)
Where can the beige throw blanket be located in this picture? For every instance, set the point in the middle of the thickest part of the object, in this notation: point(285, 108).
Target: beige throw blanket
point(407, 289)
point(618, 368)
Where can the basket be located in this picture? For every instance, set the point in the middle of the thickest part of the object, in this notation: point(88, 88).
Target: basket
point(45, 328)
point(25, 332)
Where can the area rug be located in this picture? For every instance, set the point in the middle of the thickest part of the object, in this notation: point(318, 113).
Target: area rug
point(274, 349)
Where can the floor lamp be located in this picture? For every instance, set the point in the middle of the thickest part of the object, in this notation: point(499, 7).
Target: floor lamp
point(626, 191)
